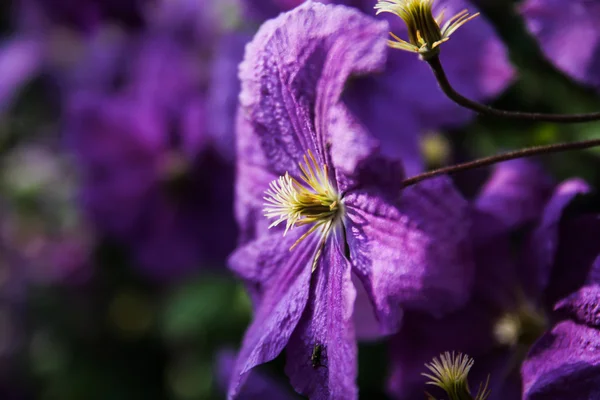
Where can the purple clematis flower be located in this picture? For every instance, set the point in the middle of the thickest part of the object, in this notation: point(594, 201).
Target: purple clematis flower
point(311, 172)
point(513, 298)
point(404, 99)
point(561, 28)
point(565, 362)
point(150, 120)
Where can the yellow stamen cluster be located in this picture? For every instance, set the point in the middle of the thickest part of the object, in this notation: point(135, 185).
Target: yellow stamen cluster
point(425, 33)
point(450, 373)
point(312, 200)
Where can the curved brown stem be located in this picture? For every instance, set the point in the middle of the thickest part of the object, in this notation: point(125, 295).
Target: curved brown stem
point(442, 79)
point(511, 155)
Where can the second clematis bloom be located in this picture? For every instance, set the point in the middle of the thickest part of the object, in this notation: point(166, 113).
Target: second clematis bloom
point(317, 204)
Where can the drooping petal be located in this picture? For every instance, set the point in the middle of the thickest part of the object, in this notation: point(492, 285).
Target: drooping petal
point(328, 371)
point(568, 34)
point(284, 296)
point(515, 193)
point(563, 364)
point(414, 253)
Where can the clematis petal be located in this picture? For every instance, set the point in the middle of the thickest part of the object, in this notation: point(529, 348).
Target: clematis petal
point(515, 193)
point(284, 297)
point(414, 253)
point(563, 364)
point(294, 71)
point(583, 306)
point(259, 261)
point(259, 386)
point(569, 35)
point(329, 371)
point(545, 238)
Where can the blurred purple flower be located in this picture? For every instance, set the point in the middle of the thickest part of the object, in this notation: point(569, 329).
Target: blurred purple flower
point(513, 296)
point(20, 60)
point(150, 120)
point(408, 248)
point(48, 241)
point(569, 35)
point(404, 101)
point(83, 15)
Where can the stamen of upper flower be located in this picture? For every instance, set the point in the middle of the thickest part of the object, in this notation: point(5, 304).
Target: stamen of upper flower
point(425, 32)
point(310, 200)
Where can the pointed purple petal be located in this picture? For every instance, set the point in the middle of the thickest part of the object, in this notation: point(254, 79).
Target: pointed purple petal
point(414, 253)
point(284, 296)
point(327, 321)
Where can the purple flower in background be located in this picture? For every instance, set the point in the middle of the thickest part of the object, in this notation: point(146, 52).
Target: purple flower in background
point(569, 35)
point(20, 61)
point(404, 100)
point(150, 121)
point(565, 362)
point(307, 164)
point(83, 15)
point(513, 296)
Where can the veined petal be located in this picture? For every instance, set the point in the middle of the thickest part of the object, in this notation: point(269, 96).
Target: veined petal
point(259, 262)
point(294, 71)
point(322, 354)
point(291, 77)
point(414, 253)
point(284, 296)
point(563, 364)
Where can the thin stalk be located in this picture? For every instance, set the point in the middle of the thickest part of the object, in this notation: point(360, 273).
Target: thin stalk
point(511, 155)
point(442, 79)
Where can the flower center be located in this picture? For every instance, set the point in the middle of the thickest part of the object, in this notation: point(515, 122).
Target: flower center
point(310, 200)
